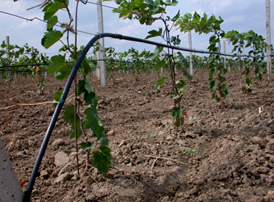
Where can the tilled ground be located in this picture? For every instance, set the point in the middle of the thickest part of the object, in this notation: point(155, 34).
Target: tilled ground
point(223, 152)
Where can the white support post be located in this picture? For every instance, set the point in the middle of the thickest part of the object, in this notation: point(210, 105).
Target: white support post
point(97, 69)
point(34, 73)
point(224, 44)
point(162, 71)
point(268, 39)
point(46, 70)
point(190, 54)
point(8, 56)
point(102, 61)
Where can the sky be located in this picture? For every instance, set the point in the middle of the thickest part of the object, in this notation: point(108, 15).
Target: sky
point(240, 15)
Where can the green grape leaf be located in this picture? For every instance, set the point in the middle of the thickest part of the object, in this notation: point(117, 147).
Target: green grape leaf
point(51, 8)
point(3, 45)
point(248, 81)
point(86, 66)
point(56, 63)
point(103, 140)
point(84, 86)
point(159, 83)
point(57, 95)
point(176, 97)
point(181, 85)
point(50, 38)
point(93, 122)
point(88, 86)
point(212, 84)
point(176, 17)
point(69, 114)
point(69, 117)
point(159, 65)
point(222, 79)
point(177, 112)
point(157, 52)
point(87, 146)
point(154, 33)
point(224, 91)
point(184, 61)
point(175, 40)
point(63, 73)
point(91, 99)
point(171, 2)
point(52, 22)
point(102, 159)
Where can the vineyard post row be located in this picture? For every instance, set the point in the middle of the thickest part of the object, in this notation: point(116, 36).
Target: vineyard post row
point(100, 57)
point(268, 39)
point(9, 65)
point(97, 70)
point(7, 52)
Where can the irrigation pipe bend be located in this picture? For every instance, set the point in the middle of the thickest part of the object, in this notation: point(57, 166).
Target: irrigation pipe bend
point(27, 194)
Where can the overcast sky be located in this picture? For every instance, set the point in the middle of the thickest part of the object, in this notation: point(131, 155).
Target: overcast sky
point(240, 15)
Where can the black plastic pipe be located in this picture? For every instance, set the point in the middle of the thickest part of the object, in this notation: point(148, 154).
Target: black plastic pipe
point(27, 194)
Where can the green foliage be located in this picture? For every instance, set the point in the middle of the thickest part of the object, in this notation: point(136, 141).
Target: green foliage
point(257, 45)
point(153, 136)
point(147, 12)
point(159, 83)
point(158, 50)
point(52, 7)
point(20, 58)
point(50, 10)
point(154, 33)
point(203, 24)
point(175, 40)
point(177, 113)
point(102, 159)
point(56, 63)
point(182, 60)
point(160, 65)
point(200, 24)
point(51, 37)
point(69, 115)
point(20, 55)
point(180, 89)
point(52, 22)
point(191, 152)
point(61, 65)
point(87, 146)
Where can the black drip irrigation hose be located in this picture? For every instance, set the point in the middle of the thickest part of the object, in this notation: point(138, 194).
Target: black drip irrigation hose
point(27, 194)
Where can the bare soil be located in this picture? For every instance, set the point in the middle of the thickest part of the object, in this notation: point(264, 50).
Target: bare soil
point(223, 152)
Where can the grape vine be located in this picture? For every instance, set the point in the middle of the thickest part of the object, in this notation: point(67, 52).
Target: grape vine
point(23, 59)
point(148, 12)
point(80, 123)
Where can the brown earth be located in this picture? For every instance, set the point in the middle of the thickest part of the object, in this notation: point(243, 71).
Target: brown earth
point(223, 153)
